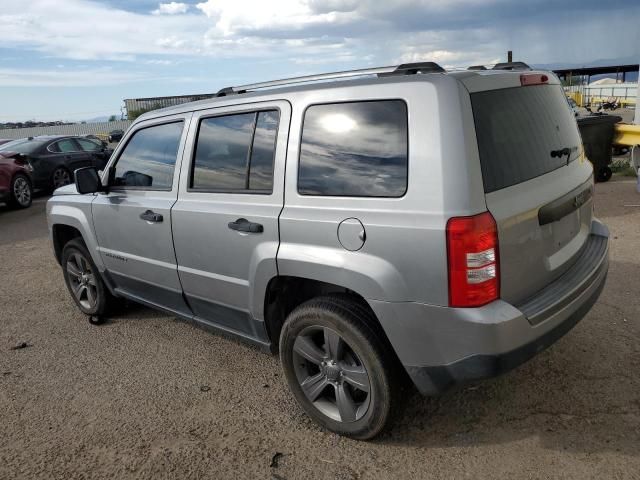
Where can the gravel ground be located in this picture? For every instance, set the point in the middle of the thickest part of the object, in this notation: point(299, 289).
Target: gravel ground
point(147, 396)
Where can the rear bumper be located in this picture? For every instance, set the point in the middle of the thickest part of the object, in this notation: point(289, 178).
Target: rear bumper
point(442, 347)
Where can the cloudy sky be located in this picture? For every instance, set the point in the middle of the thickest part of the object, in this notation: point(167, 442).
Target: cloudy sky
point(77, 59)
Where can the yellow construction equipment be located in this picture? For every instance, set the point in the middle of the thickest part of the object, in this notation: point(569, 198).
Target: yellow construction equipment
point(626, 134)
point(629, 135)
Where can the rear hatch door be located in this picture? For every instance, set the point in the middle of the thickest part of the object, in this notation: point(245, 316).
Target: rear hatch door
point(538, 184)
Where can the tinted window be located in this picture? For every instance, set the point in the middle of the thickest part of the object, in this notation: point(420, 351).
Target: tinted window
point(354, 149)
point(222, 152)
point(518, 128)
point(88, 145)
point(235, 152)
point(65, 146)
point(23, 145)
point(263, 151)
point(149, 158)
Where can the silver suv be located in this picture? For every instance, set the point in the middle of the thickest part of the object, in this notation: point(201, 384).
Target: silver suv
point(371, 226)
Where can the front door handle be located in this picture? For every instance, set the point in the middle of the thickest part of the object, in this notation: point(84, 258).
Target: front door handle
point(150, 216)
point(244, 225)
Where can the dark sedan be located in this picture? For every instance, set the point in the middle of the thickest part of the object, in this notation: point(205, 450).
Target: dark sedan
point(115, 135)
point(55, 158)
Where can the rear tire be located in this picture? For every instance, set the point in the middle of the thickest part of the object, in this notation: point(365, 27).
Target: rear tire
point(21, 192)
point(84, 282)
point(339, 368)
point(60, 177)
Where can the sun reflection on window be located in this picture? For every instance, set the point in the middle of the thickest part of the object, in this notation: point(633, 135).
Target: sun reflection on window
point(338, 123)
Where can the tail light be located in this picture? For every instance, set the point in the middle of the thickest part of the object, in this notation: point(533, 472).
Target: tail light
point(472, 258)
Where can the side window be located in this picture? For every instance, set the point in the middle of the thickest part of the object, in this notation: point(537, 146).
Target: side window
point(149, 158)
point(54, 147)
point(65, 146)
point(264, 148)
point(88, 145)
point(356, 149)
point(236, 153)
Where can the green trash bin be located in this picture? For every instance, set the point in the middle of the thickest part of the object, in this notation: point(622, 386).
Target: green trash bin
point(597, 138)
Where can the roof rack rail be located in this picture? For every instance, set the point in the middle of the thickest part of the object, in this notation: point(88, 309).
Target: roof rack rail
point(414, 68)
point(477, 67)
point(404, 69)
point(511, 66)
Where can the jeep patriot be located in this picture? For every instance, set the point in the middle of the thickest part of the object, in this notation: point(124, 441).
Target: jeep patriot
point(372, 226)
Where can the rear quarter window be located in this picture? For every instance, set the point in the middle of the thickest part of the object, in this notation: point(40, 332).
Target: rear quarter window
point(356, 149)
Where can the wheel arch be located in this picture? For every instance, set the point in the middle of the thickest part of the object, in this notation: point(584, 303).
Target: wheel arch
point(61, 234)
point(284, 293)
point(23, 174)
point(67, 222)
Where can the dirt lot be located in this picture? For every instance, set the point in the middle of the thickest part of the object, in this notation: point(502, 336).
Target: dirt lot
point(146, 396)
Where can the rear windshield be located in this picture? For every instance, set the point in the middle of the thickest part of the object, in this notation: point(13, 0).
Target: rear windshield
point(22, 145)
point(517, 131)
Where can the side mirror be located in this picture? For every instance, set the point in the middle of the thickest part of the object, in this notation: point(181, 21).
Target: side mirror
point(88, 180)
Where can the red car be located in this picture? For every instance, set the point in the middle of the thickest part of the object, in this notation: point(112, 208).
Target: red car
point(15, 180)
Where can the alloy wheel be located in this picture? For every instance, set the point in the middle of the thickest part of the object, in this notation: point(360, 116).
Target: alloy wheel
point(82, 280)
point(22, 191)
point(61, 177)
point(331, 375)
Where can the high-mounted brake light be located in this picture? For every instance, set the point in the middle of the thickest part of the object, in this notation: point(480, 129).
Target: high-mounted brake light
point(472, 258)
point(527, 79)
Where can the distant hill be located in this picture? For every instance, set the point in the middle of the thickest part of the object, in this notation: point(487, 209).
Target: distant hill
point(603, 62)
point(103, 118)
point(31, 124)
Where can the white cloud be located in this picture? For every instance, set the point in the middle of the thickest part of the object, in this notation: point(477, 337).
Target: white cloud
point(156, 61)
point(312, 32)
point(13, 77)
point(252, 16)
point(85, 30)
point(172, 8)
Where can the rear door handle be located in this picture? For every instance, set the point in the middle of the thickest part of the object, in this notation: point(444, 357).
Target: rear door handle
point(244, 225)
point(150, 216)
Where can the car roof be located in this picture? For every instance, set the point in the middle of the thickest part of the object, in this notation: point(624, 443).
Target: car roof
point(281, 92)
point(226, 97)
point(51, 137)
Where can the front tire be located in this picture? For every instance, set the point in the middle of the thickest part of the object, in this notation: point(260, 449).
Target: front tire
point(21, 192)
point(338, 366)
point(84, 282)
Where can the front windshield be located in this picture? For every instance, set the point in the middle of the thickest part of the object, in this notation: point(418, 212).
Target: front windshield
point(23, 145)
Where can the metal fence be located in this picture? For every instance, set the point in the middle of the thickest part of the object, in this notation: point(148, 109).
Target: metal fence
point(73, 129)
point(625, 93)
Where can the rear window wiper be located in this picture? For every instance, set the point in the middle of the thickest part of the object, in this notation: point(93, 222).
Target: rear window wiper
point(562, 152)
